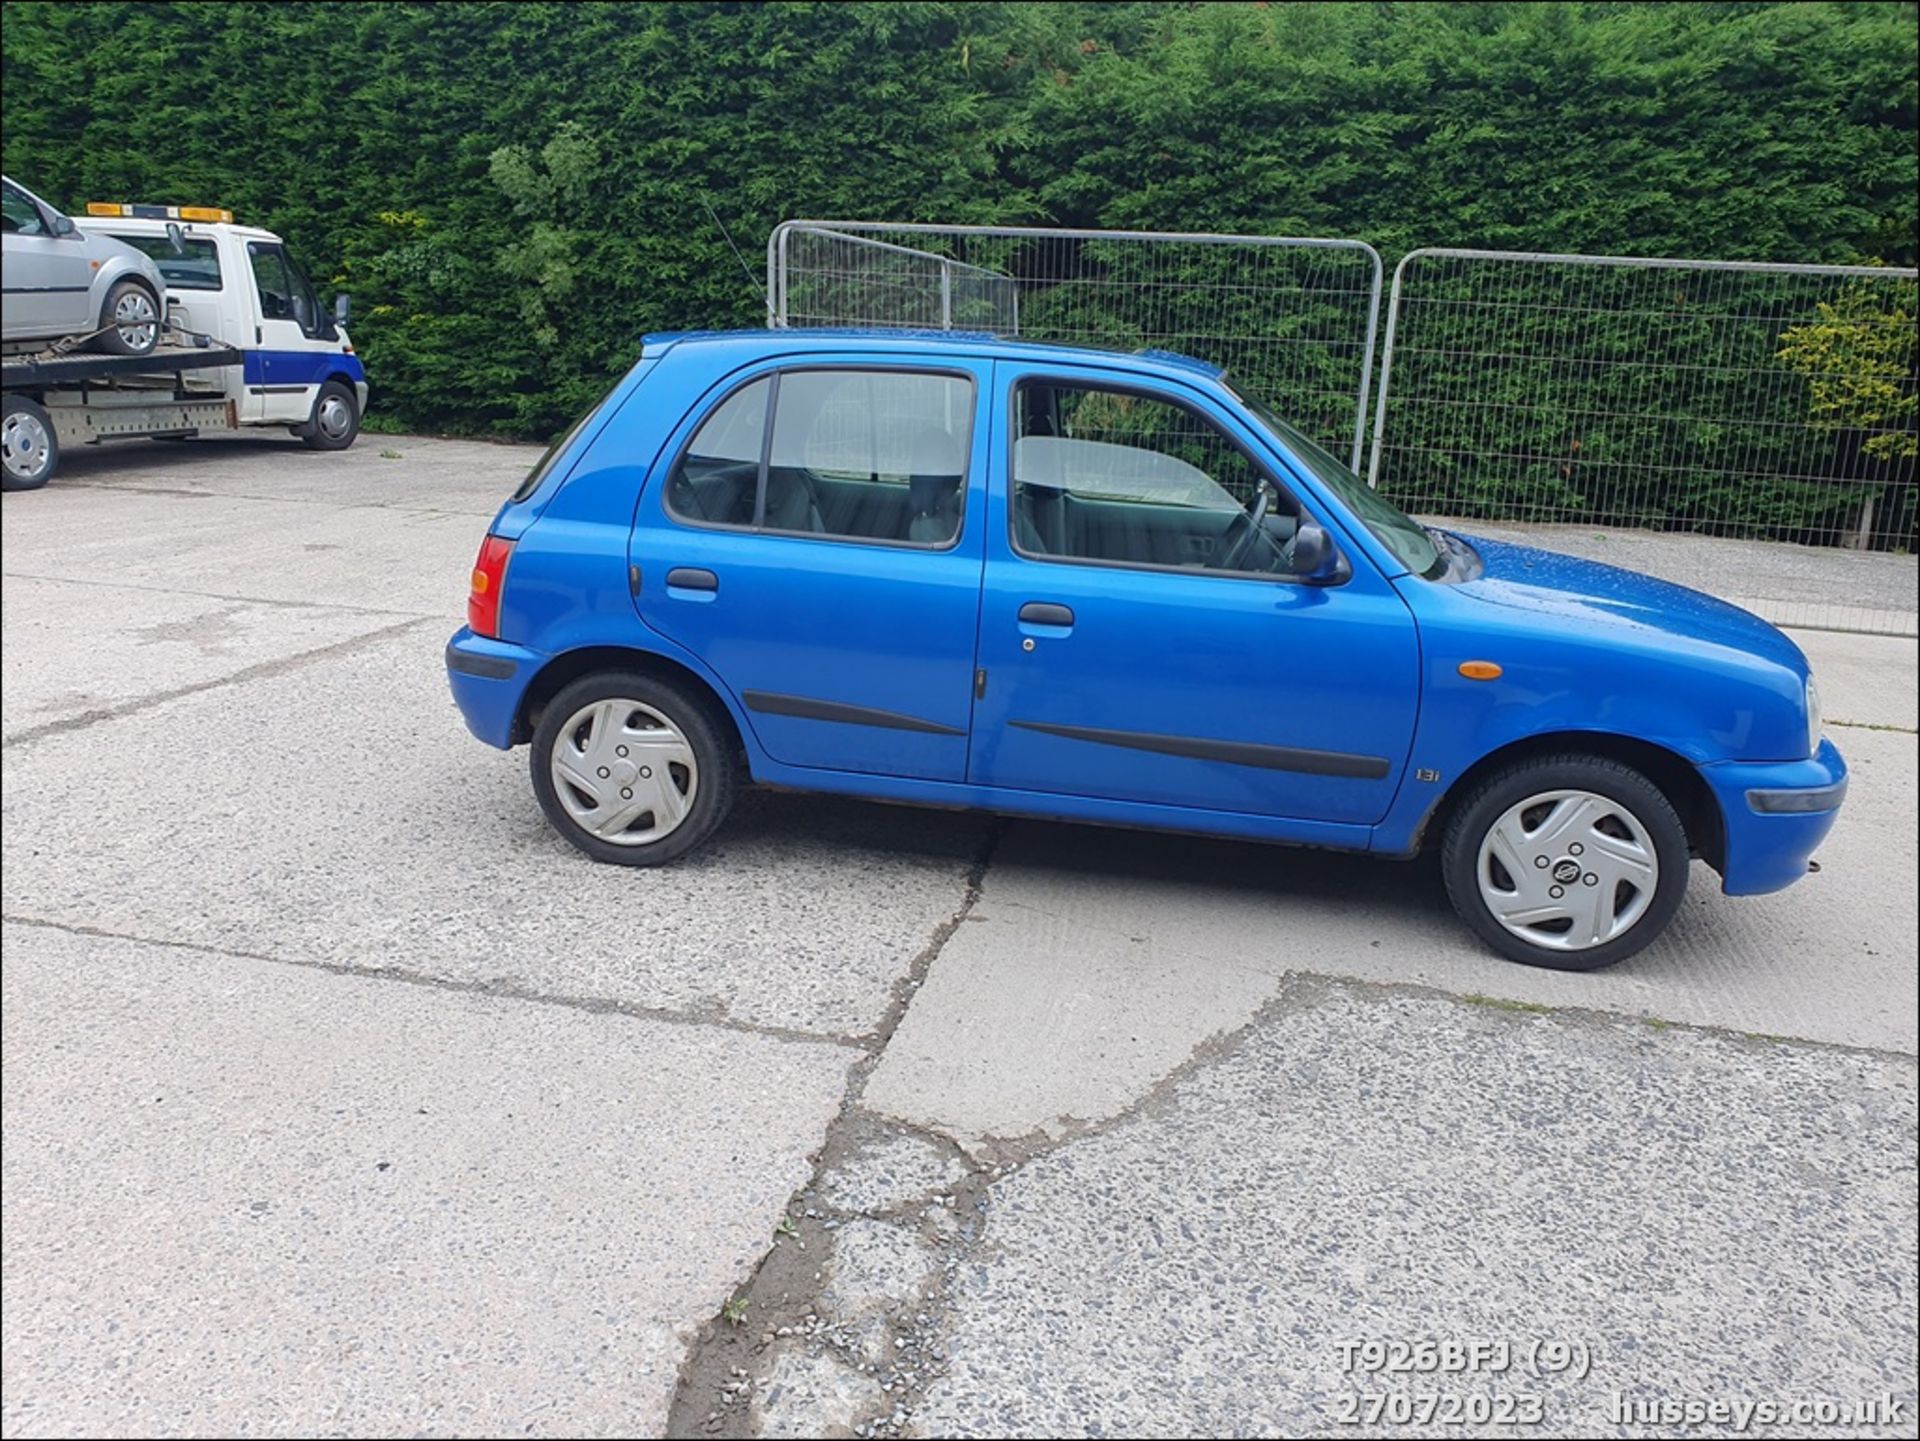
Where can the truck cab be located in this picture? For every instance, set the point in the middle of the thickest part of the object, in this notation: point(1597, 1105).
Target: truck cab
point(243, 287)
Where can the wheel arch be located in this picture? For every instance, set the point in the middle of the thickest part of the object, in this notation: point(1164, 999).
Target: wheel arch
point(128, 273)
point(1677, 778)
point(569, 666)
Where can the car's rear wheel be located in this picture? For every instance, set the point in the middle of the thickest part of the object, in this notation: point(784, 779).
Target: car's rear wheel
point(335, 420)
point(130, 318)
point(29, 449)
point(1568, 861)
point(632, 769)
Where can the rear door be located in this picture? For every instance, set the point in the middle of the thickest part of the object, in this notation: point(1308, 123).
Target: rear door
point(814, 534)
point(1141, 641)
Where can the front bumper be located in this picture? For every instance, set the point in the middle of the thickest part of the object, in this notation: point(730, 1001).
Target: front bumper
point(488, 679)
point(1776, 815)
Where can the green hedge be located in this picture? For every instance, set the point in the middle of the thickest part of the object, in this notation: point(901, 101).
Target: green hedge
point(513, 193)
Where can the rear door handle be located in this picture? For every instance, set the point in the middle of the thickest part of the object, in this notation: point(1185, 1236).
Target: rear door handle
point(689, 577)
point(1045, 612)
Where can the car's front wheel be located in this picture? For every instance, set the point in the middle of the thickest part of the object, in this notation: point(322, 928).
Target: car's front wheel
point(129, 320)
point(1567, 861)
point(631, 769)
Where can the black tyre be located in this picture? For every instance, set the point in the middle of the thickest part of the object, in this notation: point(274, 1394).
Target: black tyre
point(335, 420)
point(632, 770)
point(130, 319)
point(1568, 861)
point(29, 447)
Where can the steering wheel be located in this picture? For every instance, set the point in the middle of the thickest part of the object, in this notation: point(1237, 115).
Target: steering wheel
point(1237, 552)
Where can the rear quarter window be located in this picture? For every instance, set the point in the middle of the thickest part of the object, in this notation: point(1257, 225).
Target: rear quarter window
point(544, 466)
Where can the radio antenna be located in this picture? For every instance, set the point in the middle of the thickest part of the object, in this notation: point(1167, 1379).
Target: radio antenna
point(758, 283)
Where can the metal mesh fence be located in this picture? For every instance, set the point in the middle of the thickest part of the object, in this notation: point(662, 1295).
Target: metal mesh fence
point(1292, 319)
point(1756, 402)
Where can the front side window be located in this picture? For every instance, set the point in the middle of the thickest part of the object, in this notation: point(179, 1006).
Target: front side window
point(1412, 544)
point(198, 268)
point(1134, 479)
point(19, 214)
point(859, 454)
point(284, 292)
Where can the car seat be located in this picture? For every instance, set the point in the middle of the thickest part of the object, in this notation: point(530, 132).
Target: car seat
point(934, 488)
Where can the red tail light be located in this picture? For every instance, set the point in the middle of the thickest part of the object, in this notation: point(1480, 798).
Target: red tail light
point(489, 579)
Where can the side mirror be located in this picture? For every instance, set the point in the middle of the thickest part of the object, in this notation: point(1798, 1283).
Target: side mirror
point(176, 238)
point(342, 307)
point(1313, 553)
point(63, 227)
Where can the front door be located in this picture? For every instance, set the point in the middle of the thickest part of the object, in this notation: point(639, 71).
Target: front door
point(48, 278)
point(1144, 640)
point(282, 366)
point(815, 538)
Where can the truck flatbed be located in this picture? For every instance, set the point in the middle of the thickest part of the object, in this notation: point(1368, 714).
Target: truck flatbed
point(35, 372)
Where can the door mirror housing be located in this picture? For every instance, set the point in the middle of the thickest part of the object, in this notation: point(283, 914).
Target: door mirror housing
point(1315, 560)
point(342, 307)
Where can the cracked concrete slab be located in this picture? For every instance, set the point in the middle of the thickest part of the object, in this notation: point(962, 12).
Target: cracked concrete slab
point(808, 1393)
point(365, 828)
point(890, 1171)
point(76, 651)
point(372, 833)
point(397, 472)
point(245, 1198)
point(1046, 1011)
point(1096, 961)
point(1712, 1218)
point(871, 1267)
point(264, 548)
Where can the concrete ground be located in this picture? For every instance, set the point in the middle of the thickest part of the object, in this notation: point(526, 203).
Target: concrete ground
point(341, 1096)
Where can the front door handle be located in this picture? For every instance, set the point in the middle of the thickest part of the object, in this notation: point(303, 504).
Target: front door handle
point(689, 577)
point(1045, 612)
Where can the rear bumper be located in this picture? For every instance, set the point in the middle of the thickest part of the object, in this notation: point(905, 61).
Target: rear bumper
point(1776, 816)
point(488, 679)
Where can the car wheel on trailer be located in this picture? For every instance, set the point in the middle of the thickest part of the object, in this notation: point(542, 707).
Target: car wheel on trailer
point(29, 448)
point(631, 769)
point(131, 318)
point(1570, 861)
point(335, 420)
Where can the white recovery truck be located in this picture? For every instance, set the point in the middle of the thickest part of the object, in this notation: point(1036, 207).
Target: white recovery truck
point(246, 344)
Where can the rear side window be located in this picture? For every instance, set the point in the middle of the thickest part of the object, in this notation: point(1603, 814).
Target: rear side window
point(875, 455)
point(197, 269)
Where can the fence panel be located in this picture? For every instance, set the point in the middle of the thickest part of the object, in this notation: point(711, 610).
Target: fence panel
point(1764, 403)
point(1292, 319)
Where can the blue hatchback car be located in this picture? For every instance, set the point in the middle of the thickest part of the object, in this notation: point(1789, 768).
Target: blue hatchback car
point(966, 571)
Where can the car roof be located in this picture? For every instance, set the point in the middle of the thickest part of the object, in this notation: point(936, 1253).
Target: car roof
point(750, 344)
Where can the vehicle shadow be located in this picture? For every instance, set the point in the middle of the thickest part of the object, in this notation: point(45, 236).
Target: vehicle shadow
point(101, 462)
point(1070, 850)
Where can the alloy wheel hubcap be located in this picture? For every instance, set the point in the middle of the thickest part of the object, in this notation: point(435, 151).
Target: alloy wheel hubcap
point(133, 314)
point(624, 773)
point(1568, 870)
point(23, 444)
